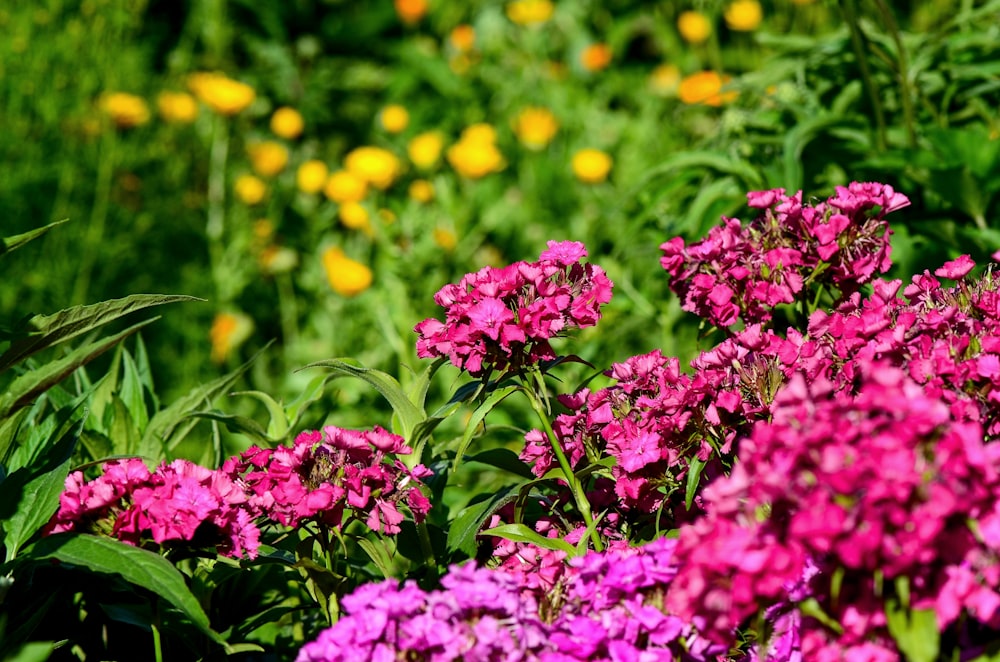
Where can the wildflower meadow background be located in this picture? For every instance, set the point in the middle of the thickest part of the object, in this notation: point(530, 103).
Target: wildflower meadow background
point(500, 330)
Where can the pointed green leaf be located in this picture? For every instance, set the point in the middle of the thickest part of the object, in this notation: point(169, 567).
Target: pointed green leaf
point(137, 566)
point(310, 394)
point(277, 426)
point(521, 533)
point(8, 244)
point(239, 425)
point(122, 430)
point(43, 331)
point(408, 413)
point(464, 529)
point(132, 393)
point(695, 467)
point(31, 384)
point(503, 458)
point(35, 651)
point(39, 500)
point(915, 632)
point(379, 556)
point(491, 401)
point(418, 389)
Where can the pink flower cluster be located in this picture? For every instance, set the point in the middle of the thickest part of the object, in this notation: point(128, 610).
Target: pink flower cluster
point(503, 318)
point(180, 501)
point(333, 476)
point(742, 272)
point(610, 608)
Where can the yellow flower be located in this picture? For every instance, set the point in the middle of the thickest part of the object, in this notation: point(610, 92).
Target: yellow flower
point(250, 189)
point(445, 238)
point(377, 166)
point(277, 259)
point(177, 107)
point(425, 149)
point(462, 38)
point(596, 57)
point(664, 79)
point(743, 15)
point(591, 165)
point(530, 12)
point(220, 93)
point(354, 216)
point(410, 11)
point(705, 87)
point(268, 158)
point(344, 186)
point(421, 190)
point(694, 27)
point(394, 118)
point(229, 331)
point(263, 230)
point(125, 110)
point(535, 127)
point(287, 123)
point(476, 155)
point(311, 176)
point(347, 277)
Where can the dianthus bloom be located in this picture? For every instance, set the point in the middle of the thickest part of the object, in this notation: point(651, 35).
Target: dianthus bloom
point(743, 272)
point(334, 476)
point(503, 318)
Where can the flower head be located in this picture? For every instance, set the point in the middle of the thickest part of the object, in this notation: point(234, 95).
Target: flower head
point(345, 186)
point(177, 107)
point(530, 12)
point(694, 27)
point(705, 87)
point(596, 57)
point(535, 127)
point(410, 11)
point(591, 166)
point(394, 118)
point(311, 176)
point(424, 149)
point(125, 110)
point(743, 15)
point(378, 167)
point(287, 123)
point(347, 277)
point(221, 93)
point(268, 158)
point(229, 330)
point(249, 189)
point(475, 155)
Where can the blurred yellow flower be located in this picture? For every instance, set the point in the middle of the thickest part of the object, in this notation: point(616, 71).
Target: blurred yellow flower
point(221, 93)
point(311, 176)
point(705, 87)
point(530, 12)
point(177, 107)
point(263, 230)
point(387, 216)
point(743, 15)
point(445, 238)
point(229, 331)
point(476, 155)
point(394, 118)
point(694, 27)
point(354, 216)
point(125, 110)
point(277, 259)
point(249, 189)
point(664, 79)
point(591, 165)
point(425, 149)
point(344, 186)
point(462, 38)
point(287, 123)
point(267, 158)
point(535, 127)
point(377, 166)
point(596, 57)
point(421, 190)
point(410, 11)
point(347, 277)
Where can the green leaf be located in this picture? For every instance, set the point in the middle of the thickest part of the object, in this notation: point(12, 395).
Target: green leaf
point(31, 384)
point(35, 651)
point(795, 144)
point(915, 631)
point(463, 531)
point(131, 393)
point(695, 467)
point(310, 394)
point(277, 426)
point(170, 425)
point(491, 401)
point(37, 501)
point(503, 458)
point(703, 160)
point(239, 425)
point(137, 566)
point(521, 533)
point(43, 331)
point(379, 556)
point(418, 389)
point(8, 244)
point(408, 413)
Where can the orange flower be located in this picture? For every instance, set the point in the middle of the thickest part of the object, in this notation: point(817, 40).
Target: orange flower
point(229, 330)
point(462, 38)
point(475, 155)
point(596, 57)
point(421, 190)
point(347, 277)
point(705, 87)
point(223, 95)
point(377, 166)
point(535, 127)
point(410, 11)
point(425, 149)
point(344, 186)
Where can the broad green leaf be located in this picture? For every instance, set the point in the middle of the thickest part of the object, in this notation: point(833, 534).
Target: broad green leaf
point(137, 566)
point(313, 392)
point(9, 429)
point(31, 384)
point(491, 401)
point(379, 556)
point(239, 425)
point(35, 651)
point(408, 413)
point(122, 430)
point(43, 331)
point(463, 531)
point(8, 244)
point(716, 161)
point(915, 631)
point(131, 393)
point(170, 425)
point(521, 533)
point(418, 389)
point(277, 426)
point(795, 144)
point(503, 458)
point(695, 467)
point(39, 499)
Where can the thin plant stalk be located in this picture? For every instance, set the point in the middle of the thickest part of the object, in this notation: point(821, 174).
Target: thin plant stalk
point(903, 67)
point(215, 229)
point(852, 19)
point(107, 158)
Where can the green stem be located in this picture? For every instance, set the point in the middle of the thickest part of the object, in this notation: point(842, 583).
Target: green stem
point(157, 644)
point(425, 545)
point(107, 158)
point(215, 228)
point(288, 311)
point(903, 66)
point(850, 10)
point(576, 488)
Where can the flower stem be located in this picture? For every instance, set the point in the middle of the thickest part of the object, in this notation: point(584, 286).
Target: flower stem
point(98, 214)
point(852, 19)
point(579, 496)
point(214, 230)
